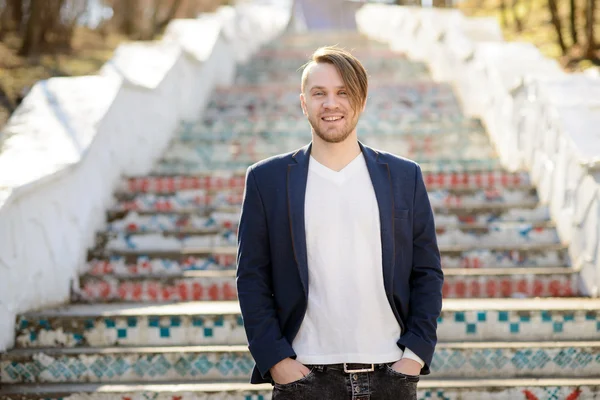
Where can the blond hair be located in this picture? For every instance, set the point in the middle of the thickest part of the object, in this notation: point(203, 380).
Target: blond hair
point(350, 69)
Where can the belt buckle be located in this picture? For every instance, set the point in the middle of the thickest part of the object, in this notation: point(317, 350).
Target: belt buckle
point(351, 371)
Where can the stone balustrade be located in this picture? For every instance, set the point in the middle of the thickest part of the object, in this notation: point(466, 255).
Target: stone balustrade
point(539, 118)
point(64, 150)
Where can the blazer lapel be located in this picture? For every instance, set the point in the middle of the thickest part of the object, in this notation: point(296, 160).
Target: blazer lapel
point(382, 184)
point(297, 175)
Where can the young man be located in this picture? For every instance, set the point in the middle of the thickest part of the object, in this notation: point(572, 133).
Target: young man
point(339, 276)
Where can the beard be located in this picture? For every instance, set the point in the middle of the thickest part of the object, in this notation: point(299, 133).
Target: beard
point(334, 134)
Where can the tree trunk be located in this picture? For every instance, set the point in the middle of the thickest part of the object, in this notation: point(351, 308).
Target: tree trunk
point(557, 25)
point(590, 19)
point(158, 27)
point(573, 20)
point(515, 13)
point(33, 31)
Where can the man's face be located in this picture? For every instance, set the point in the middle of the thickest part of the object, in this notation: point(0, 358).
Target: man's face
point(326, 103)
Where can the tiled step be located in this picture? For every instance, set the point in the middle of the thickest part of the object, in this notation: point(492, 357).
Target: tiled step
point(177, 225)
point(220, 285)
point(231, 363)
point(198, 223)
point(428, 388)
point(220, 323)
point(229, 180)
point(271, 128)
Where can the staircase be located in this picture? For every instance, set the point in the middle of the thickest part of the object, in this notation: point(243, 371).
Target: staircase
point(156, 315)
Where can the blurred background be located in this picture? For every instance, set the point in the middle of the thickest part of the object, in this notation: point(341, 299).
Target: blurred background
point(40, 39)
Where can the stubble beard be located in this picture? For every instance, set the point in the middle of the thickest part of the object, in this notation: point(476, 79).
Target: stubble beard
point(338, 135)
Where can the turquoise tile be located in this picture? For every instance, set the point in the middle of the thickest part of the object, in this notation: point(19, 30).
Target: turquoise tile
point(121, 333)
point(219, 321)
point(481, 316)
point(131, 322)
point(546, 316)
point(154, 322)
point(514, 328)
point(197, 321)
point(165, 332)
point(569, 317)
point(471, 328)
point(175, 321)
point(459, 317)
point(110, 323)
point(558, 327)
point(503, 316)
point(208, 332)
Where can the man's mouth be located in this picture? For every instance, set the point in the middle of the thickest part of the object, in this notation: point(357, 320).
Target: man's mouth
point(331, 119)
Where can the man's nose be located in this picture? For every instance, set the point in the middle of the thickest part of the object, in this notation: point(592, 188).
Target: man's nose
point(330, 101)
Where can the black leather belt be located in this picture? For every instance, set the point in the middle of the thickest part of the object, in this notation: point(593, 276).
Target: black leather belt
point(353, 368)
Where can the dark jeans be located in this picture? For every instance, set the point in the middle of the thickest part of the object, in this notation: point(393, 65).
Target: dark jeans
point(332, 383)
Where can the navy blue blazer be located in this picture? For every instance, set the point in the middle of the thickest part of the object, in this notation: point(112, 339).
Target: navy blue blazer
point(272, 270)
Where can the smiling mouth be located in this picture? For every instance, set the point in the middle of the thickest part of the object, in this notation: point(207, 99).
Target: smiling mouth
point(332, 119)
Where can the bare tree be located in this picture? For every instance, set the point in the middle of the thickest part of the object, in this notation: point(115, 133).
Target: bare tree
point(556, 22)
point(590, 22)
point(573, 21)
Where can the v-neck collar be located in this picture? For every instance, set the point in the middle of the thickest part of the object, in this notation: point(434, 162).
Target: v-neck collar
point(338, 177)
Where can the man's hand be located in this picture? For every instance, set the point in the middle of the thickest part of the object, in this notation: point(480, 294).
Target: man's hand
point(407, 366)
point(288, 370)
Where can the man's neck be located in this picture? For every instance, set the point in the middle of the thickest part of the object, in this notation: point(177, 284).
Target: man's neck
point(335, 156)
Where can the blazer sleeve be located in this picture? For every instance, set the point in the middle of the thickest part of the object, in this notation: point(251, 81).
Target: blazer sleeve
point(426, 280)
point(254, 286)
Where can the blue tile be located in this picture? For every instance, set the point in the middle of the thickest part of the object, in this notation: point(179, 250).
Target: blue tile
point(165, 332)
point(514, 328)
point(546, 316)
point(220, 321)
point(33, 336)
point(89, 324)
point(208, 332)
point(590, 316)
point(175, 321)
point(558, 327)
point(197, 321)
point(481, 316)
point(569, 317)
point(525, 318)
point(44, 323)
point(78, 337)
point(598, 326)
point(440, 320)
point(121, 333)
point(131, 322)
point(459, 317)
point(240, 320)
point(110, 323)
point(503, 316)
point(154, 322)
point(24, 324)
point(471, 328)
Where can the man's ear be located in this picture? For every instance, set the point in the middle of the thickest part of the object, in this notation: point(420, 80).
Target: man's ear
point(303, 104)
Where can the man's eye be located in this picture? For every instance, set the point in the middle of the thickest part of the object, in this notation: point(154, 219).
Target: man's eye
point(318, 93)
point(343, 93)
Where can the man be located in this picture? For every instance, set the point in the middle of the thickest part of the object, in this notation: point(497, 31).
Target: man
point(339, 276)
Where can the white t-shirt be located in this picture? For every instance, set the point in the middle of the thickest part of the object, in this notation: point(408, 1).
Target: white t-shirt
point(349, 318)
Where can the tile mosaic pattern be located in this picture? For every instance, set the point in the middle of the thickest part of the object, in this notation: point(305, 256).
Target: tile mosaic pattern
point(520, 286)
point(127, 367)
point(228, 329)
point(117, 265)
point(518, 393)
point(110, 288)
point(471, 363)
point(131, 331)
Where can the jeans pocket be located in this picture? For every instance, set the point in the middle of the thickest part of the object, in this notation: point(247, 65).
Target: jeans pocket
point(299, 381)
point(408, 378)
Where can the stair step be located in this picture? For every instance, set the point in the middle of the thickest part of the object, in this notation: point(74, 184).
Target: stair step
point(220, 285)
point(429, 388)
point(227, 363)
point(181, 226)
point(229, 180)
point(220, 323)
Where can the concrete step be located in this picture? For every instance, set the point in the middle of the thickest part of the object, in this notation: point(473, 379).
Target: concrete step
point(200, 223)
point(174, 225)
point(235, 180)
point(220, 285)
point(199, 364)
point(220, 323)
point(428, 388)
